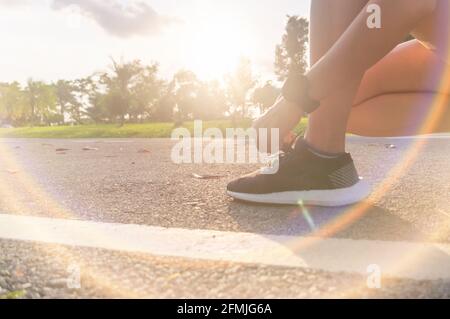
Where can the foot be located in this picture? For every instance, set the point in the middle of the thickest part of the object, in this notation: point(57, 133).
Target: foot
point(284, 116)
point(288, 110)
point(304, 178)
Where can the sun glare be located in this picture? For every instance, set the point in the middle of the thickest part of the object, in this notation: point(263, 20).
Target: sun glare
point(216, 47)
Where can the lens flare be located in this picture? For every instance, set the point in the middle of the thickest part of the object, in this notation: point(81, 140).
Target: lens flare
point(13, 203)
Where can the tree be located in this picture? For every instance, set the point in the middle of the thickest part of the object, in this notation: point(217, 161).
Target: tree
point(238, 86)
point(131, 90)
point(164, 108)
point(118, 84)
point(91, 99)
point(41, 101)
point(185, 88)
point(12, 110)
point(145, 92)
point(290, 55)
point(31, 93)
point(66, 100)
point(211, 101)
point(265, 96)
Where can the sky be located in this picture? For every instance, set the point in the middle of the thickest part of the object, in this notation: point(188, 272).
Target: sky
point(53, 39)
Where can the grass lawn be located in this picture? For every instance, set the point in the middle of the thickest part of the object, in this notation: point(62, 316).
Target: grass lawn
point(148, 130)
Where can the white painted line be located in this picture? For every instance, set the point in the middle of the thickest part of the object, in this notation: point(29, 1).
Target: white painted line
point(400, 259)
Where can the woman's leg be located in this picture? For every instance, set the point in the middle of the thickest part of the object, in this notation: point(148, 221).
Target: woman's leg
point(400, 114)
point(328, 124)
point(336, 76)
point(399, 92)
point(311, 175)
point(329, 20)
point(360, 47)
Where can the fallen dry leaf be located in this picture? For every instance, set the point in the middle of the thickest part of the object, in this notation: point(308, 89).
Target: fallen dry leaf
point(87, 148)
point(198, 176)
point(62, 150)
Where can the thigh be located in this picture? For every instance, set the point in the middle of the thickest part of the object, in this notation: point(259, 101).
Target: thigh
point(411, 67)
point(398, 94)
point(401, 114)
point(434, 30)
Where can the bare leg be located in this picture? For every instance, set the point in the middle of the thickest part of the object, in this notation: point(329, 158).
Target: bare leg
point(360, 47)
point(397, 94)
point(334, 79)
point(329, 20)
point(408, 69)
point(400, 114)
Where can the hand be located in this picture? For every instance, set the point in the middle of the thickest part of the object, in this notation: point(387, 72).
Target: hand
point(284, 116)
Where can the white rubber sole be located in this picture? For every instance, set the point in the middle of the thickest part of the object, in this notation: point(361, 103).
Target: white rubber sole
point(325, 198)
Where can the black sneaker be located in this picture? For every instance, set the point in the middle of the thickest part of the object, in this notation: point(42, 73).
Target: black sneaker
point(303, 178)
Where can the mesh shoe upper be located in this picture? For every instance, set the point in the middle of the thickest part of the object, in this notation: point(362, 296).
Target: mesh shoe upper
point(300, 170)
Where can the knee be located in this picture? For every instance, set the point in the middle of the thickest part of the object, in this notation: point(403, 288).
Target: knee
point(416, 8)
point(422, 7)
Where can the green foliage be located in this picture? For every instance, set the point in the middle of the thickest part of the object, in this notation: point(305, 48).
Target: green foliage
point(164, 108)
point(146, 130)
point(66, 101)
point(12, 104)
point(290, 55)
point(184, 89)
point(132, 92)
point(40, 99)
point(194, 99)
point(265, 96)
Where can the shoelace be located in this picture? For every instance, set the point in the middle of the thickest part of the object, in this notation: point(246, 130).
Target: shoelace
point(276, 161)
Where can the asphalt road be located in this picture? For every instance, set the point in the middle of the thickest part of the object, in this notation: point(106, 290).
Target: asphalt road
point(134, 181)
